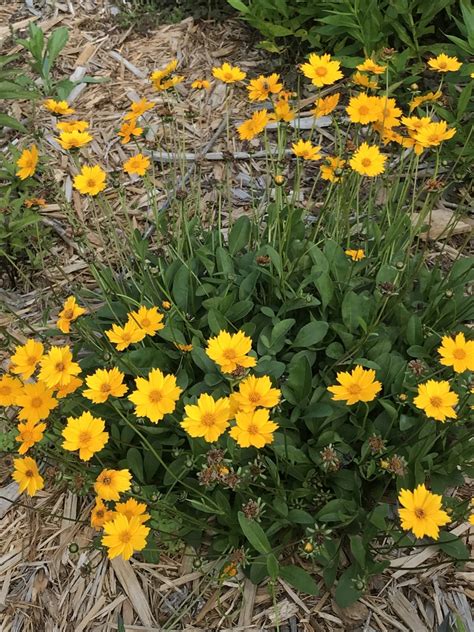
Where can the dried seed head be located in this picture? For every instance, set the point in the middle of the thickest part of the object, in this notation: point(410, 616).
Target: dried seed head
point(417, 367)
point(376, 444)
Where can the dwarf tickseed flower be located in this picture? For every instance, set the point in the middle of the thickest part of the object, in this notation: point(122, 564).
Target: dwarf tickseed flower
point(74, 139)
point(138, 108)
point(457, 352)
point(27, 163)
point(100, 514)
point(434, 134)
point(325, 105)
point(230, 351)
point(58, 107)
point(72, 126)
point(254, 125)
point(362, 80)
point(36, 402)
point(147, 318)
point(358, 386)
point(321, 70)
point(364, 109)
point(421, 512)
point(86, 434)
point(57, 367)
point(10, 388)
point(200, 84)
point(156, 396)
point(443, 63)
point(137, 165)
point(27, 476)
point(256, 392)
point(69, 313)
point(128, 130)
point(104, 384)
point(132, 509)
point(306, 150)
point(368, 161)
point(228, 73)
point(91, 180)
point(262, 87)
point(333, 170)
point(29, 433)
point(437, 400)
point(111, 483)
point(424, 98)
point(355, 255)
point(370, 66)
point(209, 418)
point(123, 337)
point(123, 536)
point(253, 428)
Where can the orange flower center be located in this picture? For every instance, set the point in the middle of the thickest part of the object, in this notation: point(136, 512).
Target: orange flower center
point(126, 337)
point(105, 388)
point(208, 420)
point(29, 473)
point(125, 537)
point(436, 401)
point(459, 354)
point(442, 64)
point(229, 354)
point(145, 322)
point(354, 389)
point(31, 360)
point(252, 429)
point(265, 86)
point(106, 480)
point(68, 314)
point(420, 513)
point(5, 390)
point(59, 366)
point(366, 162)
point(84, 437)
point(36, 402)
point(254, 397)
point(229, 76)
point(27, 436)
point(321, 71)
point(155, 397)
point(363, 109)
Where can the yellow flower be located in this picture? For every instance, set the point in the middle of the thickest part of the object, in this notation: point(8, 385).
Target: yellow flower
point(155, 396)
point(358, 386)
point(434, 134)
point(457, 352)
point(132, 509)
point(282, 111)
point(136, 165)
point(148, 319)
point(201, 84)
point(166, 305)
point(74, 140)
point(57, 367)
point(123, 337)
point(321, 70)
point(26, 358)
point(421, 512)
point(414, 123)
point(370, 66)
point(35, 201)
point(72, 126)
point(169, 83)
point(73, 385)
point(254, 125)
point(436, 400)
point(138, 108)
point(228, 73)
point(208, 418)
point(471, 517)
point(255, 392)
point(27, 476)
point(104, 384)
point(230, 351)
point(362, 80)
point(91, 180)
point(423, 98)
point(253, 428)
point(86, 434)
point(368, 161)
point(36, 402)
point(58, 107)
point(443, 63)
point(329, 172)
point(69, 313)
point(262, 87)
point(123, 537)
point(111, 483)
point(363, 109)
point(127, 130)
point(185, 348)
point(389, 113)
point(355, 255)
point(29, 433)
point(27, 163)
point(10, 388)
point(326, 105)
point(100, 514)
point(306, 150)
point(158, 76)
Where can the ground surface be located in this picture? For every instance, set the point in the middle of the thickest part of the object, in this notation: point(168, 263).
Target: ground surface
point(45, 587)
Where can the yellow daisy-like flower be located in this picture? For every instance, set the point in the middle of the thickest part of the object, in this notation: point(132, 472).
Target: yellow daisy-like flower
point(28, 435)
point(306, 150)
point(138, 108)
point(156, 396)
point(73, 385)
point(443, 63)
point(253, 428)
point(136, 165)
point(127, 130)
point(168, 83)
point(91, 180)
point(434, 134)
point(254, 125)
point(471, 517)
point(26, 358)
point(159, 77)
point(389, 113)
point(414, 123)
point(282, 111)
point(123, 337)
point(58, 107)
point(355, 255)
point(104, 384)
point(86, 434)
point(370, 66)
point(457, 352)
point(111, 483)
point(362, 80)
point(368, 161)
point(421, 512)
point(424, 98)
point(321, 70)
point(147, 318)
point(200, 84)
point(208, 419)
point(69, 313)
point(100, 514)
point(74, 140)
point(262, 87)
point(364, 109)
point(185, 348)
point(228, 73)
point(27, 475)
point(437, 400)
point(123, 537)
point(257, 392)
point(358, 386)
point(35, 201)
point(230, 351)
point(10, 388)
point(133, 509)
point(325, 105)
point(72, 126)
point(36, 402)
point(27, 163)
point(57, 367)
point(332, 170)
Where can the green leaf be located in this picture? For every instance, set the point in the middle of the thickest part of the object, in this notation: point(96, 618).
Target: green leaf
point(135, 463)
point(311, 334)
point(56, 42)
point(346, 592)
point(181, 284)
point(452, 546)
point(239, 235)
point(299, 579)
point(254, 534)
point(272, 566)
point(358, 549)
point(13, 123)
point(239, 5)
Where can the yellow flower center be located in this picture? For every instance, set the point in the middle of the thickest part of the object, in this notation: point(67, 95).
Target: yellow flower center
point(125, 537)
point(459, 354)
point(155, 397)
point(420, 513)
point(27, 436)
point(146, 322)
point(90, 183)
point(29, 473)
point(354, 389)
point(208, 420)
point(229, 354)
point(126, 337)
point(31, 360)
point(252, 429)
point(59, 366)
point(363, 109)
point(36, 402)
point(442, 64)
point(84, 438)
point(254, 397)
point(5, 390)
point(366, 162)
point(229, 76)
point(436, 401)
point(105, 388)
point(321, 71)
